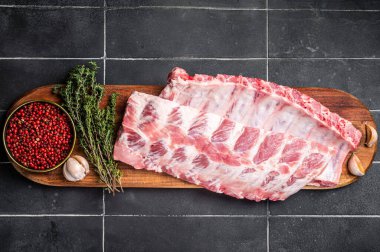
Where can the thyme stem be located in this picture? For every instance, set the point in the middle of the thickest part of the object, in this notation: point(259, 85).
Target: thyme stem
point(95, 127)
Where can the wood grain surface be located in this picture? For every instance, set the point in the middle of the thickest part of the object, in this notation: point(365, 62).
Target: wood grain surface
point(346, 105)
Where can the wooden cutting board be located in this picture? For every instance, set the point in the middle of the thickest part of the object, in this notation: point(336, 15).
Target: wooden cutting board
point(337, 101)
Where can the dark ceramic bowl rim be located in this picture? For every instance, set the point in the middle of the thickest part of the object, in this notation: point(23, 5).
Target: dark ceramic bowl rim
point(25, 167)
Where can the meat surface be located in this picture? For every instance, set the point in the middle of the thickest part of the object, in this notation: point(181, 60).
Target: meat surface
point(265, 105)
point(219, 154)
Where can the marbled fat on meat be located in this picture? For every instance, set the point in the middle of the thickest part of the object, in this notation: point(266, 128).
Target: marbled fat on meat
point(261, 104)
point(219, 154)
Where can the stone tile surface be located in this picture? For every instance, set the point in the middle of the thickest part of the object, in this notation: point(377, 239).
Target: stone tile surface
point(185, 234)
point(324, 234)
point(20, 76)
point(51, 234)
point(179, 202)
point(160, 33)
point(325, 4)
point(155, 72)
point(19, 195)
point(34, 32)
point(193, 3)
point(313, 34)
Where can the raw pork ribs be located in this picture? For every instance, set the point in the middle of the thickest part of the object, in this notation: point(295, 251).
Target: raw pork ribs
point(244, 160)
point(268, 106)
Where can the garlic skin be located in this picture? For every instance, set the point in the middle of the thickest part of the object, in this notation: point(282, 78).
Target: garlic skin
point(355, 166)
point(75, 168)
point(371, 136)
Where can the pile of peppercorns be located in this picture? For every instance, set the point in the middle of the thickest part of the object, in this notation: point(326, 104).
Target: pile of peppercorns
point(39, 135)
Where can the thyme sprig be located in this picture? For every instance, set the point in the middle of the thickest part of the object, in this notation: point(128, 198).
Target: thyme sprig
point(95, 127)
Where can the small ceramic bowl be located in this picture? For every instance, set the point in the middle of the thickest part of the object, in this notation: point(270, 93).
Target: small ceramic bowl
point(14, 159)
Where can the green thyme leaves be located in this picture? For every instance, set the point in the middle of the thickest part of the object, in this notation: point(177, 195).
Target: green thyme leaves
point(95, 126)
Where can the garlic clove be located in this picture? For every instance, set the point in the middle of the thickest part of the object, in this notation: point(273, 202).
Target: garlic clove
point(67, 175)
point(371, 136)
point(83, 162)
point(355, 166)
point(73, 170)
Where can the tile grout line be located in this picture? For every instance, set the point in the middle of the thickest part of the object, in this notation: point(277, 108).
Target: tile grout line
point(327, 58)
point(248, 58)
point(132, 215)
point(104, 82)
point(323, 10)
point(325, 216)
point(232, 9)
point(47, 58)
point(268, 226)
point(188, 216)
point(104, 212)
point(181, 58)
point(131, 7)
point(268, 214)
point(186, 58)
point(22, 6)
point(104, 40)
point(184, 8)
point(180, 7)
point(49, 215)
point(191, 216)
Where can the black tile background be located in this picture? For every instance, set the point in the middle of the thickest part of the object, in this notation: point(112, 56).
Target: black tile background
point(3, 156)
point(258, 4)
point(21, 196)
point(135, 71)
point(52, 3)
point(51, 32)
point(186, 233)
point(324, 234)
point(323, 34)
point(179, 202)
point(51, 234)
point(20, 76)
point(163, 32)
point(325, 4)
point(311, 43)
